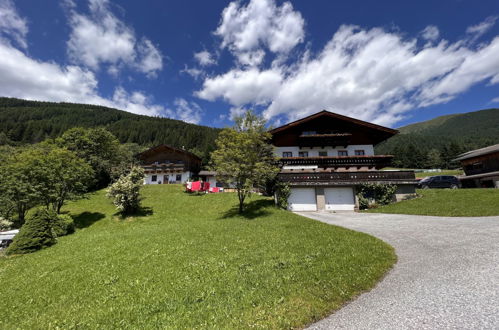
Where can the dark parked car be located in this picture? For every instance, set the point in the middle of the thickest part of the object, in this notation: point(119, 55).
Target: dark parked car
point(439, 181)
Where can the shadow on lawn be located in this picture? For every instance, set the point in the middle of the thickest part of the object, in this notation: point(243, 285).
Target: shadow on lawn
point(86, 219)
point(143, 211)
point(252, 210)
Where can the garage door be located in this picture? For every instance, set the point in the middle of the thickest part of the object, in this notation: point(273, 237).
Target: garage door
point(302, 199)
point(339, 199)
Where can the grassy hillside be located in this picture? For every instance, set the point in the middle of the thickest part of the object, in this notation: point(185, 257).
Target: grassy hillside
point(448, 202)
point(32, 121)
point(445, 136)
point(189, 261)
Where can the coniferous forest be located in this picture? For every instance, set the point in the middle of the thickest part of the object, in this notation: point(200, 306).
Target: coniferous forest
point(429, 144)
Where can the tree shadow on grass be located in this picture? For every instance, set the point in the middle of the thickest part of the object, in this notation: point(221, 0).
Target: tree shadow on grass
point(252, 210)
point(86, 219)
point(143, 211)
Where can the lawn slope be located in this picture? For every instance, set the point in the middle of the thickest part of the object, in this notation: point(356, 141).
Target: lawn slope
point(189, 262)
point(448, 203)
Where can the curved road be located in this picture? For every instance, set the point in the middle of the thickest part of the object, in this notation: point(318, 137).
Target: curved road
point(446, 277)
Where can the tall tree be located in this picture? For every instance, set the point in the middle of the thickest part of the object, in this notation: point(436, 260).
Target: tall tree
point(244, 157)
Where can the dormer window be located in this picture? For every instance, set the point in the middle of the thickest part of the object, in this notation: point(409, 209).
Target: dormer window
point(360, 152)
point(309, 133)
point(287, 154)
point(342, 153)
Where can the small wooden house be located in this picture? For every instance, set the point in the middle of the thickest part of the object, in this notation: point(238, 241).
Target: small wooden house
point(481, 167)
point(164, 164)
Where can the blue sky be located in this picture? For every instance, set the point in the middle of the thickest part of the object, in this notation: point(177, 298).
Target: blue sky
point(390, 62)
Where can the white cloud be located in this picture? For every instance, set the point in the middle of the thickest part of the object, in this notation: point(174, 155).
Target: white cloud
point(374, 75)
point(102, 38)
point(11, 24)
point(190, 112)
point(494, 100)
point(240, 87)
point(204, 58)
point(430, 33)
point(481, 28)
point(260, 24)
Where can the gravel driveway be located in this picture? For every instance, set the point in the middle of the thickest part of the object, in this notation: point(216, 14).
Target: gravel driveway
point(446, 277)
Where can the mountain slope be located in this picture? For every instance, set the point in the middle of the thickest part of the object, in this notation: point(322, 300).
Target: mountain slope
point(445, 136)
point(32, 121)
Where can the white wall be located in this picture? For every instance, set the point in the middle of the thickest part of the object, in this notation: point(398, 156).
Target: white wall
point(331, 152)
point(148, 177)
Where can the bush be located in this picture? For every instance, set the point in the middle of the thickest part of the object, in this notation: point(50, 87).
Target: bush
point(373, 194)
point(35, 234)
point(63, 225)
point(126, 191)
point(282, 193)
point(5, 224)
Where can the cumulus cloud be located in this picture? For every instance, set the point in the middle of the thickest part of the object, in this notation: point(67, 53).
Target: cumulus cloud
point(494, 100)
point(204, 58)
point(246, 30)
point(371, 74)
point(102, 38)
point(11, 24)
point(190, 112)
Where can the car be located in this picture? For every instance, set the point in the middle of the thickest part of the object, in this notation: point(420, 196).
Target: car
point(439, 181)
point(6, 238)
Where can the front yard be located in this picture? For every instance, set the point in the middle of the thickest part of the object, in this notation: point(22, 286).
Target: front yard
point(448, 202)
point(189, 262)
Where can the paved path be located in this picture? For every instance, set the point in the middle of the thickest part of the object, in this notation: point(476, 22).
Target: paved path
point(446, 277)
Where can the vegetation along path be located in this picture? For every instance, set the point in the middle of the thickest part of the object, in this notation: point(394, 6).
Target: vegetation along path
point(445, 277)
point(189, 261)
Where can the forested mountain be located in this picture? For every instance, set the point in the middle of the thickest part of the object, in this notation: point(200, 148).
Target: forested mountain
point(434, 143)
point(24, 121)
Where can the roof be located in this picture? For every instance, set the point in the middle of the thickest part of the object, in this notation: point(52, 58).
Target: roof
point(479, 152)
point(164, 146)
point(336, 116)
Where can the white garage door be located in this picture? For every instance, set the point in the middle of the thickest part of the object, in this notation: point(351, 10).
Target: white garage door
point(302, 199)
point(339, 199)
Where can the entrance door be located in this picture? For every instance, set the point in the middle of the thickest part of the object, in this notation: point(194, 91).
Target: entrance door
point(302, 199)
point(165, 179)
point(339, 199)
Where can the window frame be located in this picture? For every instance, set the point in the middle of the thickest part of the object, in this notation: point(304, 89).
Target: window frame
point(154, 178)
point(324, 153)
point(303, 154)
point(360, 152)
point(287, 154)
point(343, 151)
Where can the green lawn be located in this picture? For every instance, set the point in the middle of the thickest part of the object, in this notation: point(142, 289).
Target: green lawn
point(448, 202)
point(189, 262)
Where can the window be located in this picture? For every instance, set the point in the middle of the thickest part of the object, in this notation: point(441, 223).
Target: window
point(342, 153)
point(287, 154)
point(303, 154)
point(359, 153)
point(178, 177)
point(309, 133)
point(322, 153)
point(154, 178)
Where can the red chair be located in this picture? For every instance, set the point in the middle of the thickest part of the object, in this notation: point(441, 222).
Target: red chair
point(206, 187)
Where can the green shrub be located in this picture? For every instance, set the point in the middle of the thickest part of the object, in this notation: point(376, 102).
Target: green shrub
point(282, 193)
point(63, 225)
point(373, 194)
point(126, 191)
point(35, 234)
point(5, 224)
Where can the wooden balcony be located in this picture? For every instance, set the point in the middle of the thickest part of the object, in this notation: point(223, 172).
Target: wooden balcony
point(377, 162)
point(164, 167)
point(348, 178)
point(324, 140)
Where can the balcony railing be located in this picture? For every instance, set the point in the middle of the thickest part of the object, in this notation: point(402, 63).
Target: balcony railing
point(323, 140)
point(331, 178)
point(378, 161)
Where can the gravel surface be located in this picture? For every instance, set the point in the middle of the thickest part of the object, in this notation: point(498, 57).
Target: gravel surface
point(446, 277)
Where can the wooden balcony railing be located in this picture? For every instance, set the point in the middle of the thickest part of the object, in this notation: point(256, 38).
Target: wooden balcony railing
point(378, 161)
point(348, 177)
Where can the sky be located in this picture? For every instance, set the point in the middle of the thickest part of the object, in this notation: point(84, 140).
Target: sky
point(204, 62)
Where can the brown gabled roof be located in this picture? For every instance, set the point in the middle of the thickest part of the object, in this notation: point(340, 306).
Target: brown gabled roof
point(164, 146)
point(479, 152)
point(336, 116)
